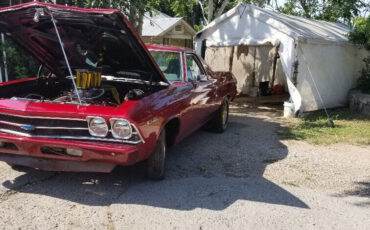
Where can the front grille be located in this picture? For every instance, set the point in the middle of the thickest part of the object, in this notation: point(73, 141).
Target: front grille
point(55, 128)
point(43, 121)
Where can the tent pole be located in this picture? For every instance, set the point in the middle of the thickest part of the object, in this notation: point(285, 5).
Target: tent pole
point(231, 58)
point(276, 56)
point(254, 67)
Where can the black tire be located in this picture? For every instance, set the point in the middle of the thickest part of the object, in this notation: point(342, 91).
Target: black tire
point(156, 161)
point(19, 168)
point(219, 122)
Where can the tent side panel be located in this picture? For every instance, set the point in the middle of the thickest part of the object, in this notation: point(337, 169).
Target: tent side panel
point(218, 58)
point(246, 60)
point(242, 69)
point(334, 68)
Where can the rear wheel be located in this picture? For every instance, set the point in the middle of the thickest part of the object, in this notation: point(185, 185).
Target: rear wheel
point(156, 161)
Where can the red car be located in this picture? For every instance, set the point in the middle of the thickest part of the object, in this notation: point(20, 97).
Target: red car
point(106, 99)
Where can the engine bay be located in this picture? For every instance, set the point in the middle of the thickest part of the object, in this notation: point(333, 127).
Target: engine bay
point(109, 91)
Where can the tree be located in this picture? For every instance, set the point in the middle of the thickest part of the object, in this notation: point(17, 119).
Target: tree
point(328, 10)
point(361, 33)
point(133, 9)
point(20, 63)
point(291, 8)
point(361, 37)
point(188, 10)
point(218, 7)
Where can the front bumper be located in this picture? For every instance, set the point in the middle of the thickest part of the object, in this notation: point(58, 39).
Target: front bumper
point(96, 156)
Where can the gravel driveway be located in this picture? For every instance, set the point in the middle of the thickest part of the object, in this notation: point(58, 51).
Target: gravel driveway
point(244, 178)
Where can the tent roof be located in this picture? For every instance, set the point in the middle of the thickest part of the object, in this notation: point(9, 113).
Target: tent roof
point(159, 23)
point(298, 28)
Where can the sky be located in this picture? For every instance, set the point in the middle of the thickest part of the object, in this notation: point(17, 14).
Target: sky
point(281, 2)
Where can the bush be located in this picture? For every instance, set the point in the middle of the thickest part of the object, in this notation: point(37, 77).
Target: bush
point(20, 63)
point(361, 33)
point(363, 82)
point(360, 36)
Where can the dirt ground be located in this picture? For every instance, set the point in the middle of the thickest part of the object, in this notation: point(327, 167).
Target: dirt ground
point(247, 177)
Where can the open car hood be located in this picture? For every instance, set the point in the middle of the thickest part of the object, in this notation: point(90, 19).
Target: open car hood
point(101, 38)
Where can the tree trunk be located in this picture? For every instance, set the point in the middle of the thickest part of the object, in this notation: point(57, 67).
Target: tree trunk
point(222, 9)
point(210, 10)
point(140, 22)
point(203, 14)
point(306, 8)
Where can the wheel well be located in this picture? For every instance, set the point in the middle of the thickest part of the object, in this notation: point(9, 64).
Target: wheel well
point(172, 129)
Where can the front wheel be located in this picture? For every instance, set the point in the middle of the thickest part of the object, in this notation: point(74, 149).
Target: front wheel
point(220, 121)
point(19, 168)
point(156, 161)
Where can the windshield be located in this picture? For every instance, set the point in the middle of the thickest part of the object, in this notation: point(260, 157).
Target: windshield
point(169, 63)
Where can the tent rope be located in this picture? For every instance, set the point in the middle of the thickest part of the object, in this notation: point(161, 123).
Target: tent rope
point(330, 121)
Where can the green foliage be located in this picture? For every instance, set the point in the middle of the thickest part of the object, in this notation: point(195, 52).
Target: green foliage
point(260, 3)
point(363, 82)
point(347, 10)
point(189, 10)
point(361, 37)
point(290, 8)
point(20, 64)
point(328, 10)
point(198, 27)
point(350, 128)
point(361, 33)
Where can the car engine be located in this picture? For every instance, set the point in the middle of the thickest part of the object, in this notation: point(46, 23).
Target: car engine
point(92, 89)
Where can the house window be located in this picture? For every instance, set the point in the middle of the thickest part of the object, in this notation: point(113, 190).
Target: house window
point(189, 43)
point(166, 41)
point(178, 28)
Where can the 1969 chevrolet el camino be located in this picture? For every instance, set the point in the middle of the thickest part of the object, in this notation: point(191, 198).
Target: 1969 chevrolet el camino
point(101, 97)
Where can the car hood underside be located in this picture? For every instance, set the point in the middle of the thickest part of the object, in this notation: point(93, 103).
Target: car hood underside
point(93, 38)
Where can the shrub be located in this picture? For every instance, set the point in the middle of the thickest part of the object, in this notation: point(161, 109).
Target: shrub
point(360, 36)
point(363, 82)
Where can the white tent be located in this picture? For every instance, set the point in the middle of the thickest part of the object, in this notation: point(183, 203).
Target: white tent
point(316, 57)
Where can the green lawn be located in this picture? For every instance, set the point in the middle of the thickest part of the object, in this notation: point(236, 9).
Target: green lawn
point(350, 128)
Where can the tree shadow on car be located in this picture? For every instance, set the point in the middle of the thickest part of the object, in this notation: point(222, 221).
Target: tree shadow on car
point(206, 170)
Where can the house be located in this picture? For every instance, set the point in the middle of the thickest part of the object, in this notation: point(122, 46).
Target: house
point(159, 28)
point(313, 60)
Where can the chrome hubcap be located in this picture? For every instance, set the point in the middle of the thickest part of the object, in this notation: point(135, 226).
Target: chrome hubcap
point(224, 114)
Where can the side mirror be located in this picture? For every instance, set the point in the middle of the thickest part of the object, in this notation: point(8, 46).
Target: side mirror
point(202, 78)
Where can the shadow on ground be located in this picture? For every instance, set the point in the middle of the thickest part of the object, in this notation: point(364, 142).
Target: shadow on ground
point(361, 189)
point(206, 170)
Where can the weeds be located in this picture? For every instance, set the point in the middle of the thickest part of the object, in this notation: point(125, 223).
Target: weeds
point(350, 128)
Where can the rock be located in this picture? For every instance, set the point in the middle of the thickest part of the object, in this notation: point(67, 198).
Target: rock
point(359, 102)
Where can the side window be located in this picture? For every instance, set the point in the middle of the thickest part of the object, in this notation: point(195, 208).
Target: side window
point(169, 63)
point(193, 68)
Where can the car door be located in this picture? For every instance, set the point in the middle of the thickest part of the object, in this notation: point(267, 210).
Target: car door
point(202, 94)
point(172, 64)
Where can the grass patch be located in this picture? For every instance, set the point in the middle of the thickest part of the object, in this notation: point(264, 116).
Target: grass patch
point(350, 127)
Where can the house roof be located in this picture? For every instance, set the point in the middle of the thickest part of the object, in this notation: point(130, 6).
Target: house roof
point(296, 27)
point(159, 24)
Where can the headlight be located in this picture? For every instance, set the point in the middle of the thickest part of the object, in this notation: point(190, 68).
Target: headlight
point(121, 128)
point(97, 126)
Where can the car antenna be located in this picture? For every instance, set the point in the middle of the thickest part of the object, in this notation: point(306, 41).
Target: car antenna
point(64, 52)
